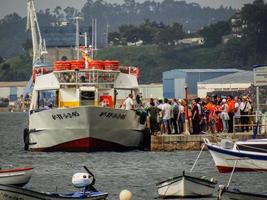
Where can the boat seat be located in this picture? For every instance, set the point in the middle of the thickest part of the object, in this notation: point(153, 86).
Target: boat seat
point(78, 194)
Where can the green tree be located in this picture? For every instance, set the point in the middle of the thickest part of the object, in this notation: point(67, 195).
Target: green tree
point(6, 67)
point(213, 33)
point(1, 59)
point(255, 28)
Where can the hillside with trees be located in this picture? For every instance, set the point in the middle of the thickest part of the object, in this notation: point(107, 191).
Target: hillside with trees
point(160, 53)
point(110, 17)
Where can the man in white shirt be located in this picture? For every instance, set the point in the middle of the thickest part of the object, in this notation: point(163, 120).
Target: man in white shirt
point(128, 103)
point(166, 112)
point(245, 108)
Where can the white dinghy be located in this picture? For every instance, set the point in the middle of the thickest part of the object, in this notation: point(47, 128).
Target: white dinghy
point(187, 185)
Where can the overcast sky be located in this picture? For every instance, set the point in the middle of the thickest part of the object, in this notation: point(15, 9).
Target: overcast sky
point(19, 6)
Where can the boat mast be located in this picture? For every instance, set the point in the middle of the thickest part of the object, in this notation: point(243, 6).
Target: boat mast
point(38, 44)
point(77, 41)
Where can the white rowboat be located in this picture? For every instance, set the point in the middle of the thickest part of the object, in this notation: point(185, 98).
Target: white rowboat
point(186, 186)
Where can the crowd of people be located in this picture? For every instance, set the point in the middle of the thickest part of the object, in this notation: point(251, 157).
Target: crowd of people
point(213, 114)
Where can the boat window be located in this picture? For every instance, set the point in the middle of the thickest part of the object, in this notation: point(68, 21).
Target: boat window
point(47, 99)
point(262, 148)
point(87, 97)
point(87, 77)
point(67, 77)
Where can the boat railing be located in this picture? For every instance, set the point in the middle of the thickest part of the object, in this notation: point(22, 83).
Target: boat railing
point(250, 122)
point(86, 77)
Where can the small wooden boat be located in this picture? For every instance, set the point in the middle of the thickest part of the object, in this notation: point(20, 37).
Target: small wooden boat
point(226, 193)
point(186, 186)
point(19, 176)
point(85, 181)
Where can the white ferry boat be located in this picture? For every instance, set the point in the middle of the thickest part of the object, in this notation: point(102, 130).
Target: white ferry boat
point(73, 104)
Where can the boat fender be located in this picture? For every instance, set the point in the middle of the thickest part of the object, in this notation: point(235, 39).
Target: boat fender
point(147, 139)
point(26, 138)
point(81, 180)
point(220, 192)
point(126, 195)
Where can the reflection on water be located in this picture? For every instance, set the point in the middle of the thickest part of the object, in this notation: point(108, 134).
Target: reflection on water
point(136, 171)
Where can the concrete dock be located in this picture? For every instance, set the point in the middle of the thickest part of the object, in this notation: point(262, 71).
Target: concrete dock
point(193, 142)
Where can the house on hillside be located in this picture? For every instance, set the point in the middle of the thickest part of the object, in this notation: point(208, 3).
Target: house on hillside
point(191, 41)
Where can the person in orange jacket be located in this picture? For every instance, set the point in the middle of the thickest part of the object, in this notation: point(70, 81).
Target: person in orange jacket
point(231, 112)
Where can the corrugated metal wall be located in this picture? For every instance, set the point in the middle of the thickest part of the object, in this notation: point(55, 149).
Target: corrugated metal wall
point(168, 88)
point(179, 92)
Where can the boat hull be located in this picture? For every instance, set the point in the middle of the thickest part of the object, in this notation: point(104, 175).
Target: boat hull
point(185, 186)
point(17, 176)
point(85, 129)
point(225, 159)
point(235, 194)
point(8, 192)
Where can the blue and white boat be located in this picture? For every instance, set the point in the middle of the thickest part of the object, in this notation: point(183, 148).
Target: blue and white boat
point(84, 181)
point(251, 155)
point(227, 193)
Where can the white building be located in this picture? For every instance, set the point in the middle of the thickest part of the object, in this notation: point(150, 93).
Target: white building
point(196, 41)
point(153, 90)
point(232, 82)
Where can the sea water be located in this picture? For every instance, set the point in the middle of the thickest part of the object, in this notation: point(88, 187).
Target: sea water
point(137, 171)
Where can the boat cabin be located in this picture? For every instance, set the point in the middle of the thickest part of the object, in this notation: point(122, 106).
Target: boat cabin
point(80, 83)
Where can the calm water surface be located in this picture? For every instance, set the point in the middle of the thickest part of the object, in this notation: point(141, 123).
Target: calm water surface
point(136, 171)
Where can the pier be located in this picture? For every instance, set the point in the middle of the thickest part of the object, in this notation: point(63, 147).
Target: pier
point(193, 142)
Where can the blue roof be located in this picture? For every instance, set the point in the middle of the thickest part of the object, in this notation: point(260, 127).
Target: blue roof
point(239, 77)
point(206, 70)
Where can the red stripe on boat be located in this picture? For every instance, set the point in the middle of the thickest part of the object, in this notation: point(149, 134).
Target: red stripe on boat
point(86, 144)
point(223, 169)
point(16, 170)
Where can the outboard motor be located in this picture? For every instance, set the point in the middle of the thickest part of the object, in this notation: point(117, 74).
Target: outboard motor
point(82, 180)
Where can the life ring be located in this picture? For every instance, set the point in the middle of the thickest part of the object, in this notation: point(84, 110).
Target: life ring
point(106, 100)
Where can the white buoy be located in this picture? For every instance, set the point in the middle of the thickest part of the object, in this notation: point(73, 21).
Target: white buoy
point(126, 195)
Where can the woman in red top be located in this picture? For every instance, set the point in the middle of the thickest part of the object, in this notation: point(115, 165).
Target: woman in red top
point(218, 120)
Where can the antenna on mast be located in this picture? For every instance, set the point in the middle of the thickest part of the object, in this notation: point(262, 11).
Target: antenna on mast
point(94, 36)
point(77, 41)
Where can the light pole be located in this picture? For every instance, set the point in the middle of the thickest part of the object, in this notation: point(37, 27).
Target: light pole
point(187, 132)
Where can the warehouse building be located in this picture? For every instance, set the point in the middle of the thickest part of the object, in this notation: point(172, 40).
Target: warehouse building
point(12, 90)
point(175, 81)
point(228, 84)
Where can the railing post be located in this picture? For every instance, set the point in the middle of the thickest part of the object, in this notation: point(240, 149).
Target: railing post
point(234, 126)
